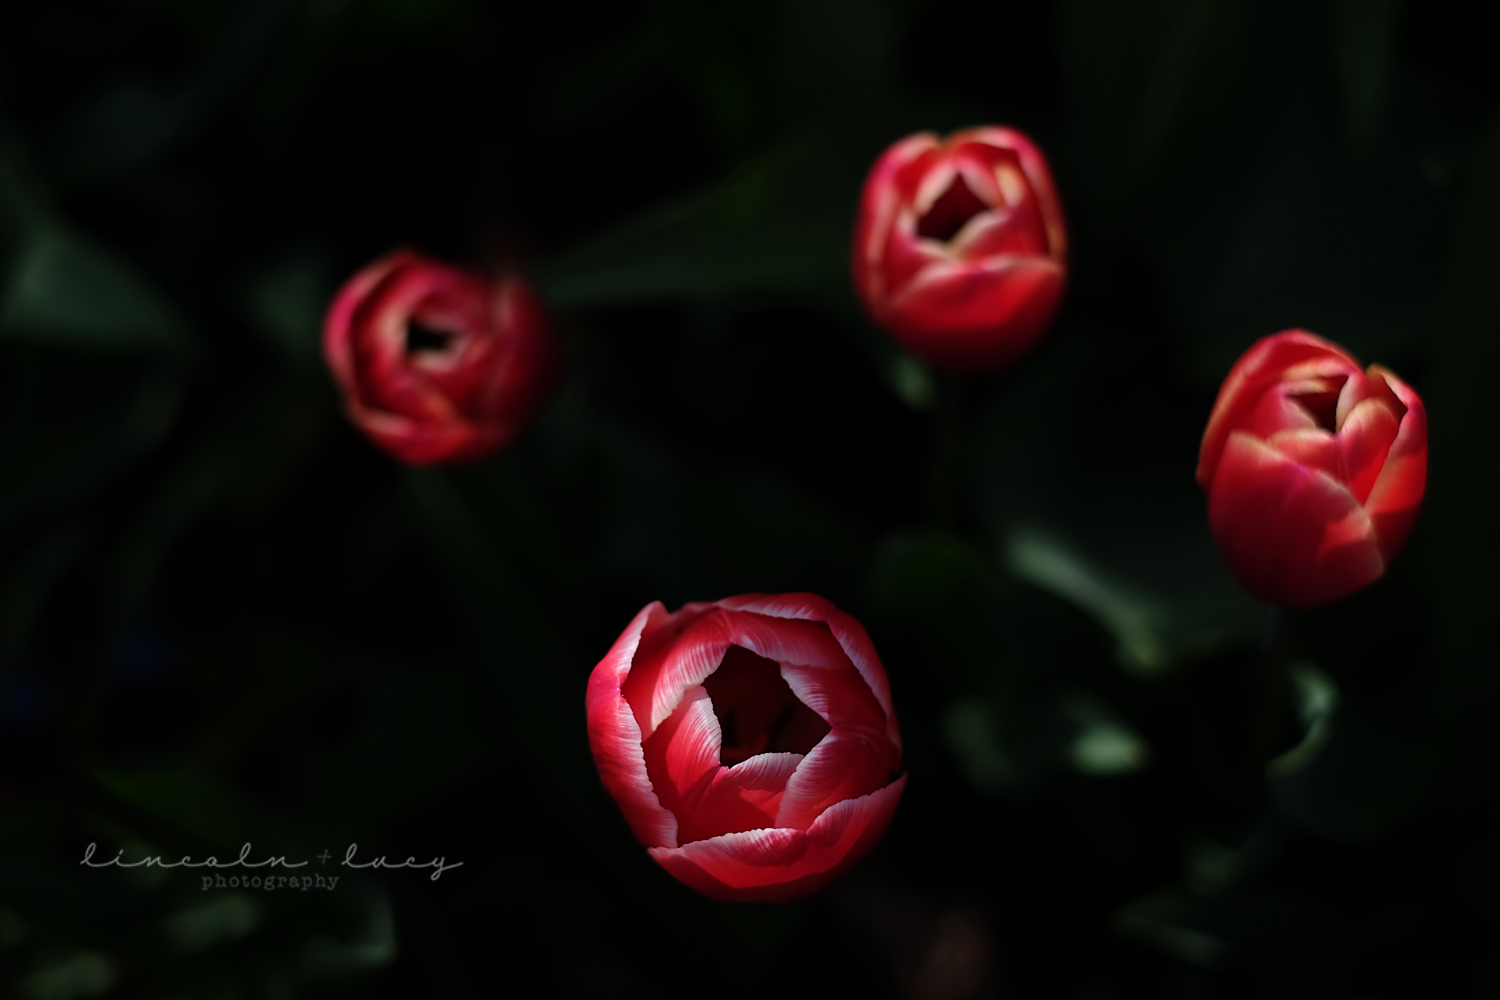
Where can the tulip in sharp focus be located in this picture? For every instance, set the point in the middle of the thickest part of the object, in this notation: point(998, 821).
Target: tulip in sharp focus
point(960, 248)
point(437, 364)
point(750, 742)
point(1314, 469)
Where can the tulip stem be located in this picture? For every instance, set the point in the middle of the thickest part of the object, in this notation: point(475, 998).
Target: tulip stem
point(947, 440)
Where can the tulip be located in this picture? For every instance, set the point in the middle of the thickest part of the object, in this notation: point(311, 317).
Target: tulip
point(436, 364)
point(1314, 469)
point(960, 248)
point(750, 742)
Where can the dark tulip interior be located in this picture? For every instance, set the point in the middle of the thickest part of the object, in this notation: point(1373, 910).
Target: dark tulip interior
point(951, 211)
point(426, 339)
point(757, 711)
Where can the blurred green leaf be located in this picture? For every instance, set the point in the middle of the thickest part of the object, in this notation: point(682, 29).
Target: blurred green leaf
point(1104, 745)
point(1317, 698)
point(370, 944)
point(972, 734)
point(73, 977)
point(912, 571)
point(1133, 618)
point(731, 239)
point(286, 299)
point(1372, 770)
point(222, 918)
point(1162, 920)
point(128, 123)
point(187, 799)
point(66, 291)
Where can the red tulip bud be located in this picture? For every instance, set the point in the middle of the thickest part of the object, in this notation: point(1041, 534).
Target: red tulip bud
point(749, 742)
point(960, 248)
point(436, 364)
point(1314, 469)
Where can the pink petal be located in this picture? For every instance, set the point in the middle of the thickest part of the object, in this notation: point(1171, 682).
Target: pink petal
point(842, 698)
point(1017, 232)
point(744, 797)
point(880, 201)
point(844, 765)
point(850, 634)
point(1397, 494)
point(683, 753)
point(1365, 438)
point(776, 865)
point(1289, 354)
point(975, 314)
point(337, 332)
point(686, 650)
point(996, 144)
point(615, 738)
point(1293, 535)
point(1312, 447)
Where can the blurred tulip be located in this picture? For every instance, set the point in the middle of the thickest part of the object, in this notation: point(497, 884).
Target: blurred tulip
point(960, 248)
point(436, 364)
point(750, 742)
point(1314, 469)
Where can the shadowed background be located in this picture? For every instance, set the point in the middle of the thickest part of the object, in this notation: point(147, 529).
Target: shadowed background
point(225, 617)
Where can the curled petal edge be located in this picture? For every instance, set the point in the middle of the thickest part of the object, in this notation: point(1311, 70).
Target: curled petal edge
point(1264, 364)
point(778, 864)
point(1291, 533)
point(616, 738)
point(851, 636)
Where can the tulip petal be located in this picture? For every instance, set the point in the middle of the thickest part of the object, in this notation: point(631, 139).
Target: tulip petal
point(615, 738)
point(844, 765)
point(1289, 354)
point(849, 633)
point(953, 311)
point(995, 146)
point(338, 325)
point(776, 865)
point(683, 753)
point(682, 654)
point(881, 200)
point(1313, 447)
point(743, 797)
point(1291, 533)
point(1365, 438)
point(1397, 494)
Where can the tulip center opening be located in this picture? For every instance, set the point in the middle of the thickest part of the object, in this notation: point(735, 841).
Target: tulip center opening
point(425, 339)
point(951, 211)
point(757, 711)
point(1322, 404)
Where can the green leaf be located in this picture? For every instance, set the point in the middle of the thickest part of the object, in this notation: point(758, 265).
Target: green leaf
point(66, 291)
point(129, 124)
point(1370, 772)
point(74, 976)
point(186, 798)
point(737, 237)
point(285, 300)
point(1104, 744)
point(1134, 618)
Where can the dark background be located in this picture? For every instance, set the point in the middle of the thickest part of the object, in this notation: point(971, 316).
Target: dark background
point(226, 617)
